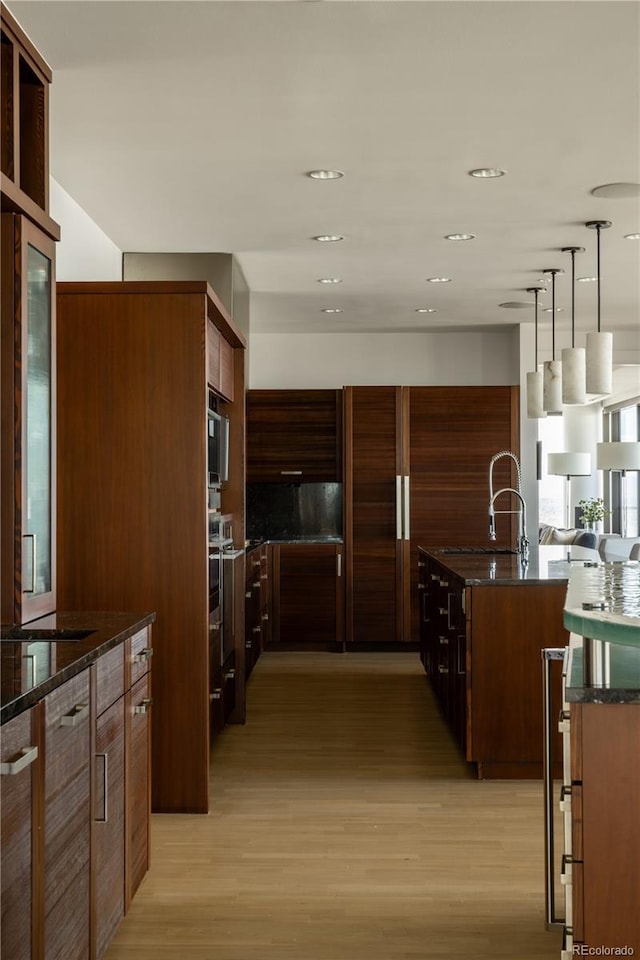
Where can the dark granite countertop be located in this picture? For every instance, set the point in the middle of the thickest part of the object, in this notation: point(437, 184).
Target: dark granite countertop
point(319, 538)
point(24, 681)
point(545, 563)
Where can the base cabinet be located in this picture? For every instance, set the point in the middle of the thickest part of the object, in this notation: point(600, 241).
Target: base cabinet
point(257, 609)
point(480, 646)
point(602, 803)
point(20, 760)
point(67, 820)
point(307, 609)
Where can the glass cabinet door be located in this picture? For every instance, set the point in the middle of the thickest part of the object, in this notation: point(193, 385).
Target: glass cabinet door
point(38, 501)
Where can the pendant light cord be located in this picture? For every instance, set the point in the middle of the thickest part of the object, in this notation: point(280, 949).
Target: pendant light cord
point(535, 293)
point(553, 315)
point(598, 266)
point(573, 298)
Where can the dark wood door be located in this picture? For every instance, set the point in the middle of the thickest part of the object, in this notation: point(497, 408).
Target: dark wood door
point(294, 435)
point(308, 608)
point(453, 433)
point(67, 820)
point(19, 758)
point(373, 464)
point(109, 824)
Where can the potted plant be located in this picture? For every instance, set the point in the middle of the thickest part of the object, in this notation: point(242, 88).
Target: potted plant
point(592, 511)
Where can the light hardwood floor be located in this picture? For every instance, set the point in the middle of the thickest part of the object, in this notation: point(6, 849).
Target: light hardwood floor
point(344, 826)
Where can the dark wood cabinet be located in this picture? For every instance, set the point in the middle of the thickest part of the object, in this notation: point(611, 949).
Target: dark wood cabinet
point(480, 645)
point(135, 432)
point(220, 364)
point(67, 818)
point(604, 803)
point(24, 121)
point(138, 784)
point(307, 596)
point(257, 617)
point(28, 451)
point(416, 473)
point(294, 435)
point(109, 824)
point(20, 763)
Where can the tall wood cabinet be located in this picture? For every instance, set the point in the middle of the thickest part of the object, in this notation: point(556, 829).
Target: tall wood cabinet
point(28, 580)
point(416, 474)
point(133, 362)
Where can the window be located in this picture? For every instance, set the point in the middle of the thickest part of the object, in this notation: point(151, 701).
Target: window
point(622, 424)
point(551, 489)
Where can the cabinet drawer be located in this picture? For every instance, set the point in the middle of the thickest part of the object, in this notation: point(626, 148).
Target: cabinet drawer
point(109, 824)
point(141, 654)
point(110, 680)
point(67, 818)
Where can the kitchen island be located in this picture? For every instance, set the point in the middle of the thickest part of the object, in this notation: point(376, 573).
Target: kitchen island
point(484, 619)
point(601, 782)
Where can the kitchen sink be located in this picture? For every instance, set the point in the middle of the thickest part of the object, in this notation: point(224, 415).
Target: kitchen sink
point(30, 635)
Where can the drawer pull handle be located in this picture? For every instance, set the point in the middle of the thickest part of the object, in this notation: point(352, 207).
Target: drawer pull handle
point(422, 586)
point(442, 669)
point(248, 594)
point(435, 576)
point(215, 625)
point(444, 583)
point(105, 778)
point(143, 656)
point(26, 757)
point(248, 644)
point(75, 716)
point(256, 629)
point(265, 617)
point(256, 586)
point(291, 473)
point(230, 674)
point(443, 640)
point(144, 706)
point(564, 722)
point(442, 611)
point(565, 799)
point(264, 576)
point(216, 695)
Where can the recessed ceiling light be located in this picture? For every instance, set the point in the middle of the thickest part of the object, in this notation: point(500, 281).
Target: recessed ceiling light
point(332, 310)
point(328, 238)
point(325, 174)
point(485, 172)
point(426, 310)
point(517, 304)
point(558, 310)
point(460, 236)
point(586, 279)
point(438, 279)
point(632, 236)
point(617, 191)
point(330, 280)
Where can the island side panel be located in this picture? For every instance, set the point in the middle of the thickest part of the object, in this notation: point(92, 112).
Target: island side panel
point(510, 625)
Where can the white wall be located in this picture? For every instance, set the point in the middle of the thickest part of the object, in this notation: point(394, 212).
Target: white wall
point(84, 252)
point(332, 360)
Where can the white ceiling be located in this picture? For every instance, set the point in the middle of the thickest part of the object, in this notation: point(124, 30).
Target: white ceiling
point(189, 126)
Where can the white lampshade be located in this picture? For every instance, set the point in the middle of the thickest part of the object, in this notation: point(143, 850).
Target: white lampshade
point(599, 362)
point(619, 456)
point(574, 375)
point(569, 464)
point(552, 386)
point(535, 410)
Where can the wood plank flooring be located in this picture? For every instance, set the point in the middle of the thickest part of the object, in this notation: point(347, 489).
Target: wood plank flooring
point(344, 826)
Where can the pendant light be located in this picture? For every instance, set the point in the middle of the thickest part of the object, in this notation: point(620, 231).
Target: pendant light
point(599, 359)
point(552, 369)
point(535, 410)
point(574, 375)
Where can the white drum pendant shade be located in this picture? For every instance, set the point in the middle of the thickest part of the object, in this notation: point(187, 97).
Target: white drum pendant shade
point(535, 410)
point(599, 362)
point(574, 375)
point(552, 386)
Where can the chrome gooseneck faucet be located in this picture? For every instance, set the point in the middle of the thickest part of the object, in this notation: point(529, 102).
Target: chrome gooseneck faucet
point(522, 546)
